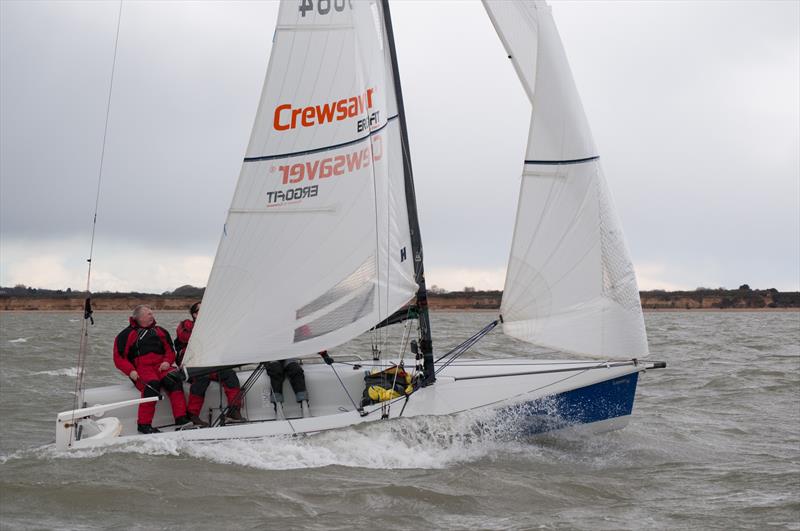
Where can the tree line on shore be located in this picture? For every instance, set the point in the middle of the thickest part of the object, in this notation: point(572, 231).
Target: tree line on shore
point(469, 298)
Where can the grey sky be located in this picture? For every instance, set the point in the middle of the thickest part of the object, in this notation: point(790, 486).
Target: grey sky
point(694, 107)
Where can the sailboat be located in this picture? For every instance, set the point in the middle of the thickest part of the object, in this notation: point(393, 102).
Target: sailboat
point(322, 243)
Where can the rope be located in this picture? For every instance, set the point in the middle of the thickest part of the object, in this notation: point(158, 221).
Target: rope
point(87, 315)
point(387, 405)
point(360, 410)
point(466, 345)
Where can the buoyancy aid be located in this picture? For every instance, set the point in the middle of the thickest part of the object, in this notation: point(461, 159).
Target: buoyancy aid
point(135, 341)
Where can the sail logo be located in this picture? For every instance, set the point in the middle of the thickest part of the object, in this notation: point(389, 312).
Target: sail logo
point(293, 195)
point(287, 117)
point(332, 166)
point(318, 169)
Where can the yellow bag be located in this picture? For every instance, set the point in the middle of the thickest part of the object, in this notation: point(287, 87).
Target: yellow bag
point(379, 394)
point(379, 383)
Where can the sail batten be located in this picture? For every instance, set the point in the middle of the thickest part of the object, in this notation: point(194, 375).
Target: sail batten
point(325, 150)
point(316, 27)
point(322, 148)
point(570, 283)
point(561, 162)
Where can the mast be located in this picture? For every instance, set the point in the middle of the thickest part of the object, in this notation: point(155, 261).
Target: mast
point(426, 344)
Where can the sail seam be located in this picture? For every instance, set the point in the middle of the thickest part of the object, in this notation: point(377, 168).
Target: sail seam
point(562, 162)
point(321, 149)
point(305, 27)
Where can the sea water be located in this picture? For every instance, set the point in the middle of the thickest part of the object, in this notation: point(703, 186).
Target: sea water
point(713, 443)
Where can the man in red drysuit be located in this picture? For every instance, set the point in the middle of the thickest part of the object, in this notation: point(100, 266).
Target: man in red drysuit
point(143, 352)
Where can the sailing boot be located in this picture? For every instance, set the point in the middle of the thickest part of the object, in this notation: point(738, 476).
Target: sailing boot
point(182, 422)
point(147, 428)
point(235, 415)
point(197, 421)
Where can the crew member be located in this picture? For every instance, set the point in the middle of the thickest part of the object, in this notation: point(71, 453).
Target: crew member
point(143, 352)
point(291, 369)
point(197, 392)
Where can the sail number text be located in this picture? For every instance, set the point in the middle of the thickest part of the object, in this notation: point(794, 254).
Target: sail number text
point(323, 6)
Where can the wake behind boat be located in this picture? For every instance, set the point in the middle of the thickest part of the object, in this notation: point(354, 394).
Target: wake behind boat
point(322, 243)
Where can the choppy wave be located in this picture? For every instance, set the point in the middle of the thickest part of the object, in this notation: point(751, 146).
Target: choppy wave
point(19, 340)
point(70, 371)
point(426, 443)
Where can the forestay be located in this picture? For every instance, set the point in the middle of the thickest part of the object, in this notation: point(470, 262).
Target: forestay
point(570, 283)
point(316, 246)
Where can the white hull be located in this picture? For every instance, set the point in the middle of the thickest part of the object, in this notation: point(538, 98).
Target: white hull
point(544, 395)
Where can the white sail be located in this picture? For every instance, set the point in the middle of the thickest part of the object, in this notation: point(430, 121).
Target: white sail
point(316, 247)
point(570, 283)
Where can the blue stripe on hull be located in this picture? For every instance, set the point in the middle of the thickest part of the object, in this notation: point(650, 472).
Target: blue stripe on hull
point(593, 403)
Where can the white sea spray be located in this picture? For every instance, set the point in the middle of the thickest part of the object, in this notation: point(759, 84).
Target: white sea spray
point(68, 371)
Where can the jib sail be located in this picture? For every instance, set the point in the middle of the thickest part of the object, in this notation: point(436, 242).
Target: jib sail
point(570, 283)
point(316, 247)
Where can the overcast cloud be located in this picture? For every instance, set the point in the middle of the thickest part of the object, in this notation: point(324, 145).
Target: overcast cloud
point(695, 108)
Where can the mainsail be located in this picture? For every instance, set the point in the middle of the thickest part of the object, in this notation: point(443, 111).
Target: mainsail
point(570, 283)
point(316, 247)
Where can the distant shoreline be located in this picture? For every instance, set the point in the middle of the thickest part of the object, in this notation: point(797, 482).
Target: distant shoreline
point(701, 299)
point(723, 310)
point(473, 310)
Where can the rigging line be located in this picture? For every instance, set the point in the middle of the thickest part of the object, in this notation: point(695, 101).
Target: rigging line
point(472, 339)
point(548, 371)
point(360, 410)
point(402, 409)
point(576, 372)
point(275, 405)
point(400, 362)
point(377, 229)
point(477, 363)
point(466, 345)
point(469, 363)
point(388, 242)
point(87, 315)
point(240, 395)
